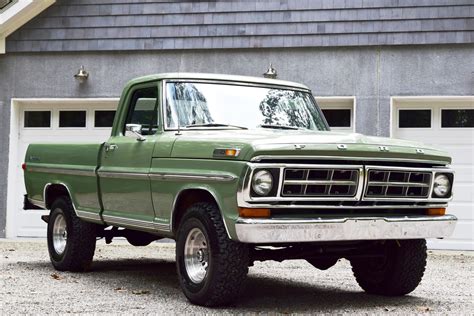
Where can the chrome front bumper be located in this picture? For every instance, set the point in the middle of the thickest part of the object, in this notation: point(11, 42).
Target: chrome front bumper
point(262, 231)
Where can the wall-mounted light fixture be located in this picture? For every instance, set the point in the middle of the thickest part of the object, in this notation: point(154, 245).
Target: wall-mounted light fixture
point(81, 75)
point(271, 73)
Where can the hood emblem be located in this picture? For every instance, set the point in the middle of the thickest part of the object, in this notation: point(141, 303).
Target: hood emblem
point(299, 146)
point(420, 151)
point(342, 147)
point(384, 148)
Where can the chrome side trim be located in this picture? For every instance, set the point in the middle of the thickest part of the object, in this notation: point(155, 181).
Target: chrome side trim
point(65, 171)
point(122, 175)
point(79, 213)
point(119, 221)
point(167, 176)
point(270, 231)
point(192, 176)
point(347, 158)
point(88, 215)
point(175, 203)
point(37, 203)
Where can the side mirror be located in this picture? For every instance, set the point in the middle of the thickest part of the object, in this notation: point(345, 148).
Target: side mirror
point(135, 129)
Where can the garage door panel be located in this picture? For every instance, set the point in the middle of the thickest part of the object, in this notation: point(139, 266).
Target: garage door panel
point(463, 211)
point(450, 244)
point(464, 173)
point(462, 192)
point(463, 230)
point(456, 138)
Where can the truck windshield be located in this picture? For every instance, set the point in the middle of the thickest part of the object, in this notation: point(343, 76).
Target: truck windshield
point(217, 105)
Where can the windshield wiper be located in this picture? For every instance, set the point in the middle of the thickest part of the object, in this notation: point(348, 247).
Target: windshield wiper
point(215, 125)
point(278, 126)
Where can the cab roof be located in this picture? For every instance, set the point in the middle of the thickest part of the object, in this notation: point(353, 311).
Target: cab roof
point(216, 77)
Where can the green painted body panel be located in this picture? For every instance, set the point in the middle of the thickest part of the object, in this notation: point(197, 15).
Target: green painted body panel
point(127, 197)
point(281, 142)
point(60, 157)
point(143, 196)
point(165, 191)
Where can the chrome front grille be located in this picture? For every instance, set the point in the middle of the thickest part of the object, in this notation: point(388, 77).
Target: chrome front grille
point(320, 182)
point(386, 183)
point(339, 185)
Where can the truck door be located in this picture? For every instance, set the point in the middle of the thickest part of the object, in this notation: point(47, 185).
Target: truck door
point(126, 160)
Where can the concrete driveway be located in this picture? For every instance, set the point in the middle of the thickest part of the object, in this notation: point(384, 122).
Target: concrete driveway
point(126, 279)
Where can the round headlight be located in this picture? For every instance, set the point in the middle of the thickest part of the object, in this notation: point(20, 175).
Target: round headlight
point(441, 186)
point(262, 182)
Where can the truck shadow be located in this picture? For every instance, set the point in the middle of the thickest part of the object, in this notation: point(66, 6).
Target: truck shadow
point(262, 294)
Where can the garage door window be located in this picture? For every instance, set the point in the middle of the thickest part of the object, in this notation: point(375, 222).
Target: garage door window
point(414, 118)
point(460, 118)
point(338, 117)
point(75, 119)
point(38, 119)
point(104, 118)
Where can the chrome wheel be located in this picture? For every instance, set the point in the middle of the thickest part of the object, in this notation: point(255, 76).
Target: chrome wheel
point(59, 234)
point(196, 255)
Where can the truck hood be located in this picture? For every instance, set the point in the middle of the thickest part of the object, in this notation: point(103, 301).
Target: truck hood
point(272, 142)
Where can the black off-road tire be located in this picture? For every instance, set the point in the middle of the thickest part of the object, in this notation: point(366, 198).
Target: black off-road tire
point(228, 260)
point(81, 238)
point(398, 273)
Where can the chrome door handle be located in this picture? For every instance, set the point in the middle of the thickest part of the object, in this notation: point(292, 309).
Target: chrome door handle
point(110, 147)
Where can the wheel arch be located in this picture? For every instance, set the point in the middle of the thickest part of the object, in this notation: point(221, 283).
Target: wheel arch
point(188, 196)
point(52, 191)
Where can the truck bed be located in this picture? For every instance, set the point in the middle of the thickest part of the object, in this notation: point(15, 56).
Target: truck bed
point(74, 165)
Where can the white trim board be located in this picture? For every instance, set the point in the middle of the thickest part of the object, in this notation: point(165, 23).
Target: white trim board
point(19, 14)
point(14, 171)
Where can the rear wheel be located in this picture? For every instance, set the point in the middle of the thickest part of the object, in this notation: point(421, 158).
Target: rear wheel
point(397, 272)
point(71, 241)
point(211, 267)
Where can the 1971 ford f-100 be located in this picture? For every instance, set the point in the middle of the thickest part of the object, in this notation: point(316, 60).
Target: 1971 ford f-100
point(241, 169)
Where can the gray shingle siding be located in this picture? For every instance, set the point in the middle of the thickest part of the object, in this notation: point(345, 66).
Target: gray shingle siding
point(82, 25)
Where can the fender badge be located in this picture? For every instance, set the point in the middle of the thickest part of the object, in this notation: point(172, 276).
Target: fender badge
point(384, 148)
point(342, 147)
point(299, 146)
point(420, 151)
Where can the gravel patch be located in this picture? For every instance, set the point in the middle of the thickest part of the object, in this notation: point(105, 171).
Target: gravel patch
point(138, 280)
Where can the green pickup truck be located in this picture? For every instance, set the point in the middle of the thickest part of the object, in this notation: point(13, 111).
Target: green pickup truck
point(237, 170)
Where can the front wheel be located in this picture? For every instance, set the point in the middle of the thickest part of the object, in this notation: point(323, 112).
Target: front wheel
point(397, 272)
point(71, 241)
point(211, 267)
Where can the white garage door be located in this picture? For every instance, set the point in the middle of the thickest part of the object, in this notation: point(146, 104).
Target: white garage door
point(447, 123)
point(49, 121)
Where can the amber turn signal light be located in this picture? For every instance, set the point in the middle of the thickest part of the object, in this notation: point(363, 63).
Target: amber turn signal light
point(254, 212)
point(231, 152)
point(435, 211)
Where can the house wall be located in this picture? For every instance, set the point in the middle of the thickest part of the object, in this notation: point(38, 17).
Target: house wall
point(83, 25)
point(371, 74)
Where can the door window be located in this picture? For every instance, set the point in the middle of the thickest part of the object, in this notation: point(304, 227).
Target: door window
point(143, 110)
point(460, 118)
